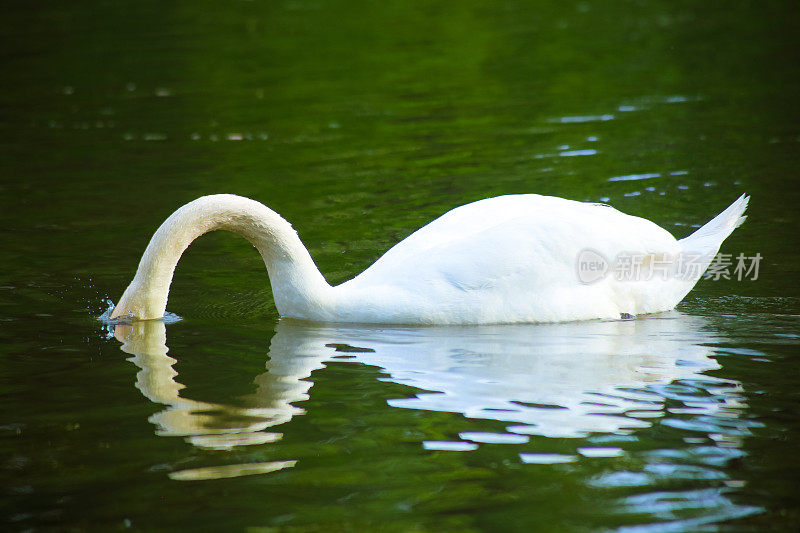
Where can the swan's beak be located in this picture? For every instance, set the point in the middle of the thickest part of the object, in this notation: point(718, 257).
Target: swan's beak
point(138, 303)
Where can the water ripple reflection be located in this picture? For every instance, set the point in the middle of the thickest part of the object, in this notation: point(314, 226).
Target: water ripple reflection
point(551, 380)
point(638, 396)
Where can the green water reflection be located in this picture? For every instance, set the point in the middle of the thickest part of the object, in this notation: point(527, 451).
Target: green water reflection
point(360, 121)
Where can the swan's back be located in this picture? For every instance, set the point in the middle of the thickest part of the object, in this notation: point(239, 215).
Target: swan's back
point(513, 259)
point(537, 217)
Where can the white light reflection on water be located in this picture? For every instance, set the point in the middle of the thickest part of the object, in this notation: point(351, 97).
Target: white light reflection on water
point(556, 380)
point(551, 380)
point(583, 118)
point(599, 383)
point(635, 177)
point(576, 153)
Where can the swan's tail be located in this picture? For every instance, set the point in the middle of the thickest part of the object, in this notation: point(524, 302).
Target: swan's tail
point(703, 244)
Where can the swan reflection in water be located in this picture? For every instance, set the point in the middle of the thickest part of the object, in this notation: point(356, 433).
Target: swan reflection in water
point(550, 380)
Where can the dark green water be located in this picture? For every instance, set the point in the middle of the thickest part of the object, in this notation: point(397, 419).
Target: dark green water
point(359, 122)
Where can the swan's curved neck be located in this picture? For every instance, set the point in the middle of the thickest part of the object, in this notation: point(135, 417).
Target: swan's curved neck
point(297, 285)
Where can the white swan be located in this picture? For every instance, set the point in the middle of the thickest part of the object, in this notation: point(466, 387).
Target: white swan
point(509, 259)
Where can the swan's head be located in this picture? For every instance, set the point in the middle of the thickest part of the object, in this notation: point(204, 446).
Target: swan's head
point(139, 302)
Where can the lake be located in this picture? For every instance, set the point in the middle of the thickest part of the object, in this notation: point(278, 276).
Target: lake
point(359, 122)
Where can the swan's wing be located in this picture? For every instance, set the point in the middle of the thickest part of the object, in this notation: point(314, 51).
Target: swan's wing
point(514, 259)
point(476, 245)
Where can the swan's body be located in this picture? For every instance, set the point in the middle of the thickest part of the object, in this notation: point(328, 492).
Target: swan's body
point(508, 259)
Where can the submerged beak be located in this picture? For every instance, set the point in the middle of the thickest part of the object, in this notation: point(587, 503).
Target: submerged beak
point(124, 308)
point(120, 310)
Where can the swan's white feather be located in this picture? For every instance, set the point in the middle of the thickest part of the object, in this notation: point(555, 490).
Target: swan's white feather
point(508, 259)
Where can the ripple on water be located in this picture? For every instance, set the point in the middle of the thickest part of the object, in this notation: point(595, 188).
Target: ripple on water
point(547, 458)
point(229, 471)
point(449, 446)
point(707, 455)
point(577, 153)
point(493, 438)
point(596, 451)
point(704, 506)
point(635, 177)
point(582, 118)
